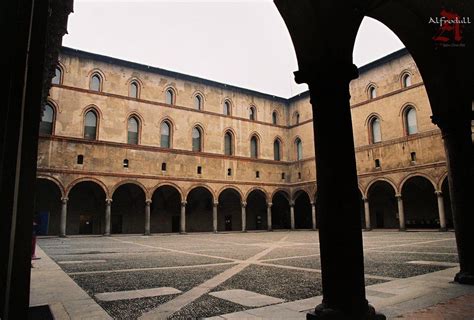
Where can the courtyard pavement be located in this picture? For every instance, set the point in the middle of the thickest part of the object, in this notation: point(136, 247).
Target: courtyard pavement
point(253, 275)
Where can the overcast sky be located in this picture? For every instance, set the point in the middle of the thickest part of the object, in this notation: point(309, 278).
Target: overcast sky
point(240, 42)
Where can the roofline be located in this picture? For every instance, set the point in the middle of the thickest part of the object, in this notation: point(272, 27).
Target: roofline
point(134, 65)
point(365, 68)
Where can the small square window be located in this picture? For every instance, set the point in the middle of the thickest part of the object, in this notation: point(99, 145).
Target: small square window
point(80, 159)
point(125, 163)
point(229, 172)
point(199, 170)
point(377, 163)
point(163, 166)
point(257, 174)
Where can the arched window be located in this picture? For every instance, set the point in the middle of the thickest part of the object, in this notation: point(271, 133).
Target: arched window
point(133, 89)
point(133, 130)
point(411, 125)
point(227, 108)
point(95, 82)
point(299, 149)
point(274, 117)
point(228, 144)
point(197, 139)
point(375, 130)
point(90, 125)
point(57, 76)
point(372, 91)
point(198, 102)
point(165, 133)
point(169, 96)
point(277, 150)
point(406, 80)
point(252, 113)
point(254, 147)
point(47, 120)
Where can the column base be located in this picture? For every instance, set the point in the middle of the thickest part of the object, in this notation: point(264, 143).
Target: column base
point(402, 229)
point(147, 234)
point(443, 229)
point(62, 236)
point(244, 230)
point(321, 312)
point(182, 232)
point(368, 229)
point(106, 234)
point(464, 278)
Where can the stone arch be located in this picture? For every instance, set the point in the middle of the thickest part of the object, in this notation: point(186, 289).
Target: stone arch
point(200, 185)
point(441, 179)
point(285, 192)
point(230, 187)
point(254, 189)
point(416, 174)
point(169, 184)
point(385, 179)
point(381, 196)
point(55, 181)
point(165, 208)
point(130, 181)
point(297, 192)
point(256, 209)
point(88, 179)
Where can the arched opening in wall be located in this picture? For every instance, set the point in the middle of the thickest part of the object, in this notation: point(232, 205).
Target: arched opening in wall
point(229, 211)
point(361, 210)
point(165, 210)
point(447, 204)
point(47, 207)
point(383, 206)
point(420, 204)
point(86, 209)
point(128, 210)
point(256, 210)
point(303, 210)
point(199, 210)
point(281, 211)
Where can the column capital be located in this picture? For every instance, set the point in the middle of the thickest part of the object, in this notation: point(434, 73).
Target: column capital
point(365, 199)
point(292, 203)
point(269, 204)
point(438, 193)
point(243, 204)
point(148, 201)
point(108, 201)
point(64, 199)
point(183, 203)
point(313, 203)
point(398, 196)
point(338, 73)
point(215, 203)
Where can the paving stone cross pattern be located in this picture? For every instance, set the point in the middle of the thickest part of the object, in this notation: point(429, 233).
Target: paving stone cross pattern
point(253, 275)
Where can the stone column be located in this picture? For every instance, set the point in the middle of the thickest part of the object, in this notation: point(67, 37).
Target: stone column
point(368, 225)
point(182, 221)
point(63, 221)
point(214, 216)
point(108, 216)
point(442, 215)
point(401, 212)
point(338, 205)
point(244, 216)
point(147, 217)
point(269, 216)
point(292, 215)
point(456, 130)
point(313, 215)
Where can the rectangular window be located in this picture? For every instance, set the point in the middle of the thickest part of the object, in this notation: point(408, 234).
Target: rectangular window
point(377, 163)
point(413, 156)
point(199, 170)
point(229, 172)
point(80, 159)
point(125, 163)
point(257, 174)
point(299, 175)
point(163, 166)
point(282, 175)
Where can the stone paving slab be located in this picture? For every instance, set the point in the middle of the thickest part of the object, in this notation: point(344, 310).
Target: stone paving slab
point(246, 298)
point(435, 263)
point(134, 294)
point(51, 286)
point(460, 308)
point(81, 261)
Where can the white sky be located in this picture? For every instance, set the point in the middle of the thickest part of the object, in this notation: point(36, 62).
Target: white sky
point(240, 42)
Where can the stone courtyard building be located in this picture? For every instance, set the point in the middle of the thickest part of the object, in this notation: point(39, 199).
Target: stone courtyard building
point(129, 148)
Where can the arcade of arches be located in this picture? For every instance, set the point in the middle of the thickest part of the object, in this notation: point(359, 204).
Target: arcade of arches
point(90, 207)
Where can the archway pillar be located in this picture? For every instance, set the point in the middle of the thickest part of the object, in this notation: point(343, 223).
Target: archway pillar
point(338, 205)
point(313, 215)
point(108, 216)
point(442, 214)
point(244, 216)
point(63, 219)
point(368, 225)
point(401, 213)
point(292, 215)
point(269, 216)
point(182, 220)
point(147, 216)
point(214, 216)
